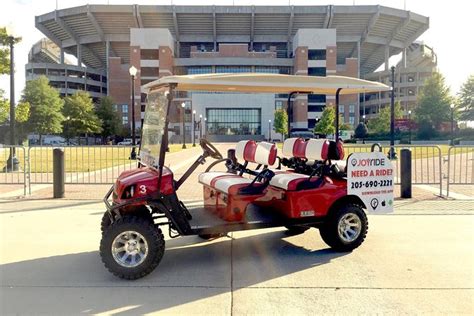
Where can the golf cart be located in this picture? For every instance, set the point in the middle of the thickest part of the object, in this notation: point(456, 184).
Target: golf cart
point(304, 187)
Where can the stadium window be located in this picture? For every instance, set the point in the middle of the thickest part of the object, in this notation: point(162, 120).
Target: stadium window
point(233, 69)
point(317, 54)
point(278, 105)
point(341, 108)
point(148, 54)
point(351, 108)
point(316, 98)
point(351, 120)
point(317, 71)
point(199, 70)
point(124, 108)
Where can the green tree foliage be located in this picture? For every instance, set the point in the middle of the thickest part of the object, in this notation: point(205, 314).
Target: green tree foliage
point(45, 107)
point(466, 100)
point(280, 122)
point(361, 131)
point(381, 123)
point(4, 107)
point(80, 115)
point(434, 101)
point(5, 51)
point(326, 123)
point(111, 123)
point(22, 110)
point(344, 126)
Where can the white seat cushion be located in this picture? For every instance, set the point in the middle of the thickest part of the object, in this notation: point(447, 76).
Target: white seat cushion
point(207, 177)
point(285, 180)
point(224, 184)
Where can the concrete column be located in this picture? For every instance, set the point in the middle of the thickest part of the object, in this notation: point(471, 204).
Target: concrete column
point(79, 55)
point(61, 55)
point(387, 56)
point(107, 55)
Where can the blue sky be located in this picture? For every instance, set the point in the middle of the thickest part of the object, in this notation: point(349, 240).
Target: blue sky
point(450, 32)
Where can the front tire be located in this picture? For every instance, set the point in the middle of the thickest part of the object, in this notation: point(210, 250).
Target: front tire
point(345, 228)
point(132, 247)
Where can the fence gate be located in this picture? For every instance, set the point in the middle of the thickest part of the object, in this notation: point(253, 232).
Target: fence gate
point(7, 174)
point(460, 166)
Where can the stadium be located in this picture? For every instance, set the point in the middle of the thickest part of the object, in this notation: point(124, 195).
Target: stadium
point(107, 40)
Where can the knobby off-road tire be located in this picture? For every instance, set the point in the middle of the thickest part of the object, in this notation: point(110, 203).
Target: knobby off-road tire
point(139, 231)
point(336, 232)
point(140, 212)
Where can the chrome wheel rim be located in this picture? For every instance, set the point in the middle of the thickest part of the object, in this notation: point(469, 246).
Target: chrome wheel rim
point(129, 249)
point(349, 227)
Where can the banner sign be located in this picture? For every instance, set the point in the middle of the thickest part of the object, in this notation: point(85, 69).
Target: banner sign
point(370, 177)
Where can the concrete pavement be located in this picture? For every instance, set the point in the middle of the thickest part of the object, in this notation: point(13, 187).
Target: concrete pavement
point(409, 264)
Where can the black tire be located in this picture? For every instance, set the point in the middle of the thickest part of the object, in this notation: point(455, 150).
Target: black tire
point(140, 212)
point(296, 230)
point(329, 230)
point(153, 237)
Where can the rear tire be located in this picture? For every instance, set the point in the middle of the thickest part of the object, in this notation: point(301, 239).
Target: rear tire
point(345, 228)
point(132, 247)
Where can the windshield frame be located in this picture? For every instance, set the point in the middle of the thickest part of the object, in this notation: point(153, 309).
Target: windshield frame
point(157, 160)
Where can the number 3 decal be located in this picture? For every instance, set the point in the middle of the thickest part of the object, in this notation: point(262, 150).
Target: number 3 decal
point(142, 189)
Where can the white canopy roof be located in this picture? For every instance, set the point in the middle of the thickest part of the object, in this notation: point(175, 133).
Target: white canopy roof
point(267, 83)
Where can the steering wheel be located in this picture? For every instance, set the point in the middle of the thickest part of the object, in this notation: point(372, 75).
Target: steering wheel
point(209, 149)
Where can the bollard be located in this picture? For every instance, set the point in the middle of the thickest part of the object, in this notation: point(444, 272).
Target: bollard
point(405, 173)
point(58, 173)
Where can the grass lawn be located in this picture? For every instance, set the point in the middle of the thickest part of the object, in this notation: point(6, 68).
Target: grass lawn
point(77, 159)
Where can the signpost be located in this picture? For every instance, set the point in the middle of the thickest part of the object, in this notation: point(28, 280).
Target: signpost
point(370, 177)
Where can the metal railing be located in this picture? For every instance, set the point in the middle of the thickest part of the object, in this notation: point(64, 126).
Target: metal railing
point(83, 164)
point(426, 162)
point(460, 166)
point(8, 174)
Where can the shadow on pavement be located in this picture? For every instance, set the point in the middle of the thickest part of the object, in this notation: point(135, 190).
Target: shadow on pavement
point(189, 272)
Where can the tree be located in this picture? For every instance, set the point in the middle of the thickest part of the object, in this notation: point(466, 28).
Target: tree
point(344, 126)
point(280, 122)
point(326, 123)
point(80, 115)
point(466, 100)
point(4, 108)
point(45, 107)
point(434, 101)
point(381, 123)
point(5, 51)
point(111, 123)
point(361, 131)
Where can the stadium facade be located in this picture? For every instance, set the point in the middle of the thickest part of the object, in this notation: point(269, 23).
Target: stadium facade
point(165, 40)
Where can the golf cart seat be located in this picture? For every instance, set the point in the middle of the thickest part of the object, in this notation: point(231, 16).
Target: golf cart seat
point(228, 194)
point(318, 150)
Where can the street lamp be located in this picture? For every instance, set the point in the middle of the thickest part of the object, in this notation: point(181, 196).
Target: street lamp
point(392, 154)
point(269, 130)
point(12, 162)
point(183, 105)
point(363, 118)
point(205, 127)
point(133, 73)
point(409, 126)
point(452, 124)
point(200, 127)
point(194, 128)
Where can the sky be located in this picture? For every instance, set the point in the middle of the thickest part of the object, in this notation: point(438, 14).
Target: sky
point(450, 31)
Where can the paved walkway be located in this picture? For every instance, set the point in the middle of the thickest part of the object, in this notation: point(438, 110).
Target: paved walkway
point(417, 261)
